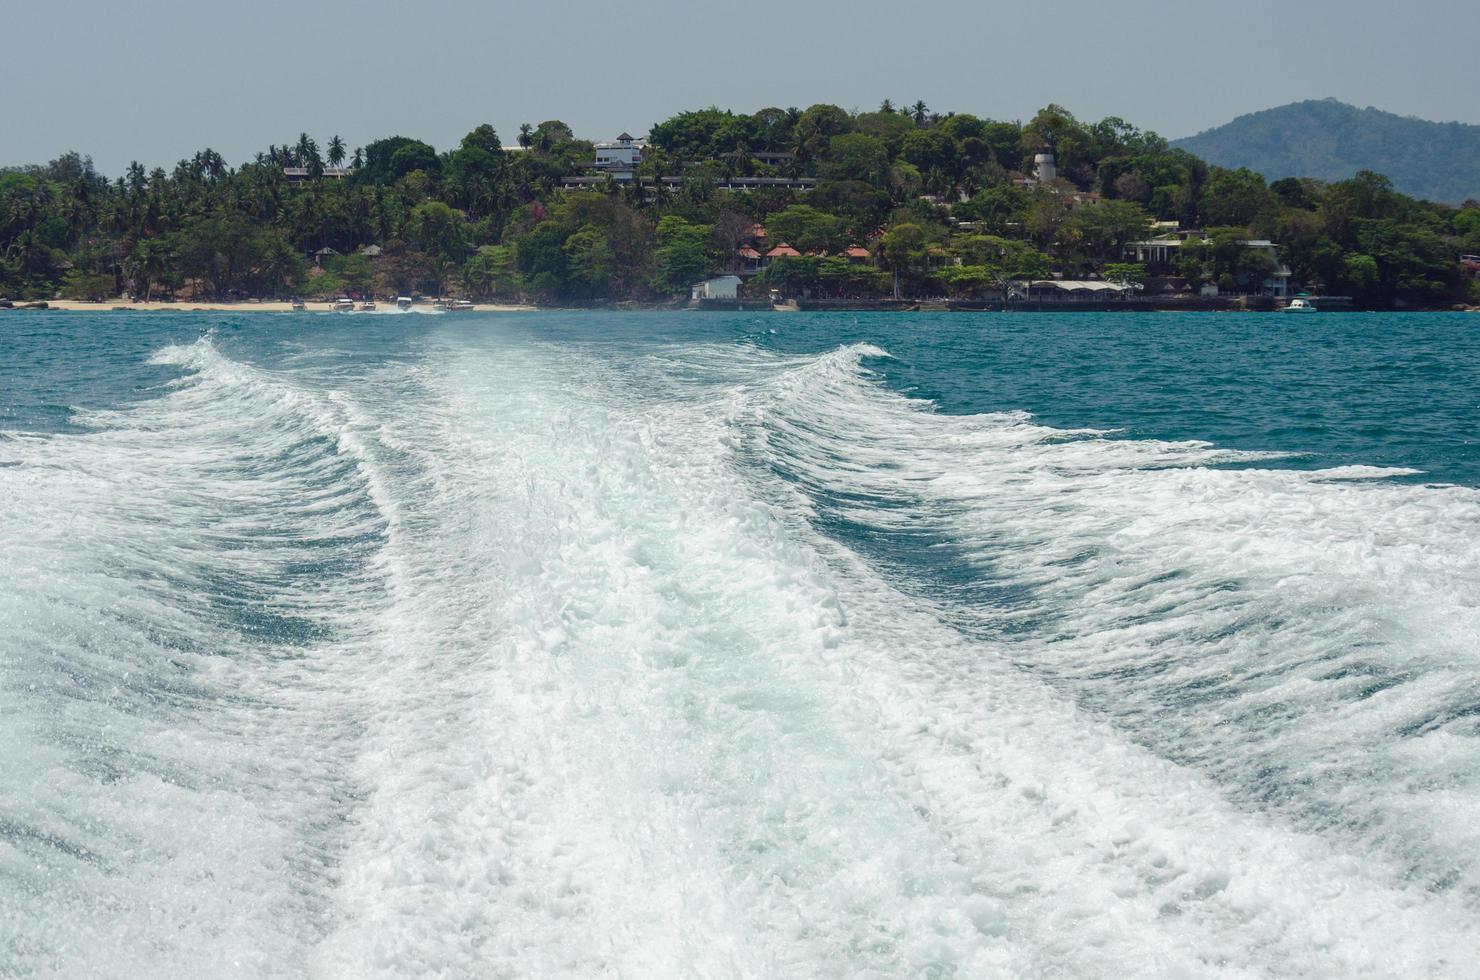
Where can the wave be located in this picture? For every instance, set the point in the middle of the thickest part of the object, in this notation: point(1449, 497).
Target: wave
point(178, 569)
point(532, 659)
point(1303, 638)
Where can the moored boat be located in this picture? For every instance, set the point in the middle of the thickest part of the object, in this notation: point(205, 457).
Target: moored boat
point(403, 303)
point(1300, 305)
point(343, 304)
point(368, 306)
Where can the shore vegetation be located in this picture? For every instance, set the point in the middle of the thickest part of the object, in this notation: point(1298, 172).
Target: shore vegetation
point(883, 203)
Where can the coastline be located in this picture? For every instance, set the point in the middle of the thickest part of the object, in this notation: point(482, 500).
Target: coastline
point(86, 306)
point(886, 306)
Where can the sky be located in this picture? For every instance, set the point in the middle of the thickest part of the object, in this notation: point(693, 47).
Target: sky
point(157, 80)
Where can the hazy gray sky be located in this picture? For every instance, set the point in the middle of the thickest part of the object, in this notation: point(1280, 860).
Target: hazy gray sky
point(155, 80)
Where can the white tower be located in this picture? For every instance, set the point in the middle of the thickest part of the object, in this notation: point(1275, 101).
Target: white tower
point(1044, 168)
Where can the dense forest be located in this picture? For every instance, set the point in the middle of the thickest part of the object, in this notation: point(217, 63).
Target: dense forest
point(1332, 140)
point(937, 203)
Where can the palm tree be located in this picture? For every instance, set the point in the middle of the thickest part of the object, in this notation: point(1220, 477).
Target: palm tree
point(146, 263)
point(136, 179)
point(213, 164)
point(526, 135)
point(336, 151)
point(919, 110)
point(358, 160)
point(886, 106)
point(308, 150)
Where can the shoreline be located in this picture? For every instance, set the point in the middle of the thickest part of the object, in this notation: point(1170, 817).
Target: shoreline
point(265, 306)
point(894, 306)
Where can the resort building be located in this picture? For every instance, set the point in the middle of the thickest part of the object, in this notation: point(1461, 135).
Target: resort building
point(1277, 283)
point(1160, 254)
point(1067, 290)
point(619, 158)
point(725, 184)
point(295, 174)
point(720, 287)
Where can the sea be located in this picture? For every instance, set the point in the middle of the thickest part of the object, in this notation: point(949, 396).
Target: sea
point(707, 645)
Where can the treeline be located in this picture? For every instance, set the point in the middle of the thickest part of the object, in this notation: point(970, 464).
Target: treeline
point(937, 201)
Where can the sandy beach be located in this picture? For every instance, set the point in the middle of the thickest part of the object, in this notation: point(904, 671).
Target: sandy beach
point(265, 306)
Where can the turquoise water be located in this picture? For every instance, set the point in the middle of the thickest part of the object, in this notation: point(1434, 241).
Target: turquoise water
point(739, 645)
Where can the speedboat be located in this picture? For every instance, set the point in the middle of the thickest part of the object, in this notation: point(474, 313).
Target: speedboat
point(460, 306)
point(403, 303)
point(368, 306)
point(1300, 305)
point(344, 305)
point(299, 306)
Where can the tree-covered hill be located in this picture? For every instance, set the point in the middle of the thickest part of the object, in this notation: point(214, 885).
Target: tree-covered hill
point(1331, 140)
point(817, 202)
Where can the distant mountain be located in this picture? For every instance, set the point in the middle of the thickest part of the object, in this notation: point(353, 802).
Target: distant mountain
point(1332, 140)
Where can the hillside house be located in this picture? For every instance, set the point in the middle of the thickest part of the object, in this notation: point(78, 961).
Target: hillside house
point(619, 157)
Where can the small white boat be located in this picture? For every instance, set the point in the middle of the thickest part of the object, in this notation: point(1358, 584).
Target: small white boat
point(368, 306)
point(461, 306)
point(1300, 305)
point(299, 306)
point(403, 302)
point(343, 305)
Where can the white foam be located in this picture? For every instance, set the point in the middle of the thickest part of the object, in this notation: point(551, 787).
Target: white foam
point(586, 687)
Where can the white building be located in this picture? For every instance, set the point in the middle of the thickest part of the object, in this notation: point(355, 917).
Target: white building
point(620, 156)
point(1162, 252)
point(1277, 284)
point(720, 287)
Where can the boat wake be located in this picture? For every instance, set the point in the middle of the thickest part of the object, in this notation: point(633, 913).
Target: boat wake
point(535, 659)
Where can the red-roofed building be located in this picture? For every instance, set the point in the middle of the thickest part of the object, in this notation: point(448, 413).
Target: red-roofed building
point(750, 259)
point(855, 253)
point(783, 251)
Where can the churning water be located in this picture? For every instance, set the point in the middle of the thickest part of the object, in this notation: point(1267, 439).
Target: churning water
point(642, 645)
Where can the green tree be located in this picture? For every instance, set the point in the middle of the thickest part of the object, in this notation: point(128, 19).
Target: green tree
point(857, 157)
point(415, 156)
point(1096, 234)
point(591, 261)
point(77, 284)
point(148, 263)
point(905, 250)
point(1128, 272)
point(683, 255)
point(484, 138)
point(492, 272)
point(929, 149)
point(805, 228)
point(550, 134)
point(816, 127)
point(1234, 197)
point(438, 230)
